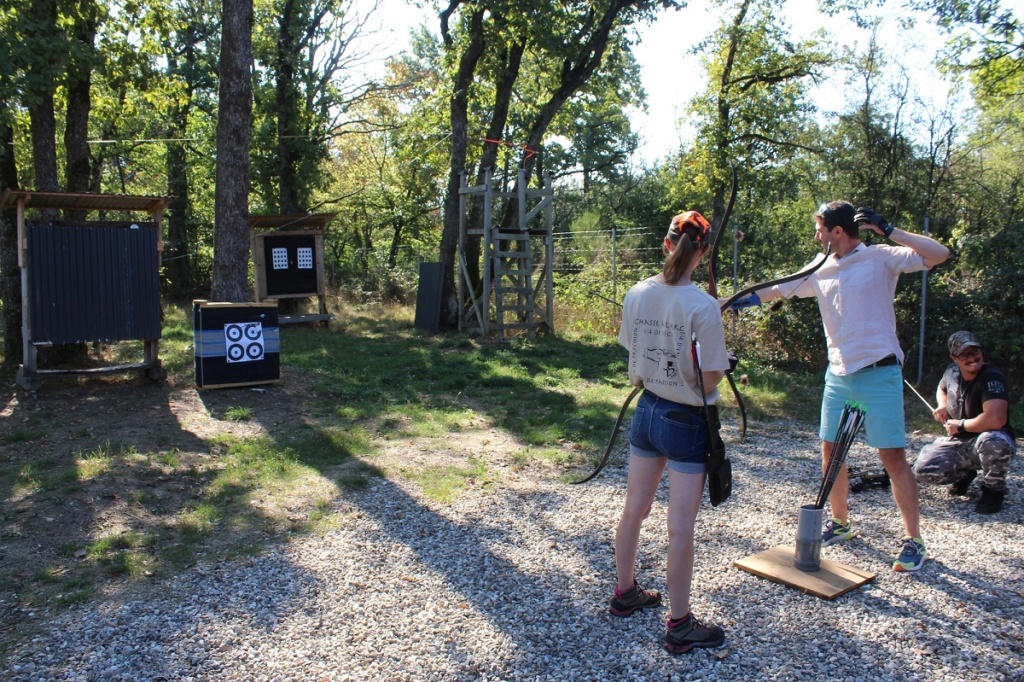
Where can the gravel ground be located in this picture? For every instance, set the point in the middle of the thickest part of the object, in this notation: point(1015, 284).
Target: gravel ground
point(511, 583)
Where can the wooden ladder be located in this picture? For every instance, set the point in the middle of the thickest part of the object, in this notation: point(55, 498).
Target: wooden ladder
point(513, 285)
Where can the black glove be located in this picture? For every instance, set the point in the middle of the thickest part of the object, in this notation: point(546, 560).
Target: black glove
point(867, 215)
point(733, 360)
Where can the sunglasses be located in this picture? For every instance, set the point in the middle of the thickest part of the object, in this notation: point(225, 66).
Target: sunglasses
point(969, 354)
point(828, 216)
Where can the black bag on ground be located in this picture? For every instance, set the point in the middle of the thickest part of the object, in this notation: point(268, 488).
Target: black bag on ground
point(719, 465)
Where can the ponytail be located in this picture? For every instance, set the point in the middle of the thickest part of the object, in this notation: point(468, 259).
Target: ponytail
point(688, 232)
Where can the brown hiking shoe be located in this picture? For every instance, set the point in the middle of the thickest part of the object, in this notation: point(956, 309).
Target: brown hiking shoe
point(689, 632)
point(625, 603)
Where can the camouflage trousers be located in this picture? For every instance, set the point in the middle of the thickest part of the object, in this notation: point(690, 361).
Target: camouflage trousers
point(949, 460)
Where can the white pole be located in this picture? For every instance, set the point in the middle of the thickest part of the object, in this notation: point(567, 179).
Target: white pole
point(735, 265)
point(924, 308)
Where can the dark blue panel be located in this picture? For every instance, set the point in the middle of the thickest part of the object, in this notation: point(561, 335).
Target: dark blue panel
point(93, 282)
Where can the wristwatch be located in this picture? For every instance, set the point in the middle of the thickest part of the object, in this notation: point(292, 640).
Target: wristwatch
point(960, 426)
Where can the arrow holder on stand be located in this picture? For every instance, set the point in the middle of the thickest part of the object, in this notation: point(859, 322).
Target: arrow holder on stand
point(807, 555)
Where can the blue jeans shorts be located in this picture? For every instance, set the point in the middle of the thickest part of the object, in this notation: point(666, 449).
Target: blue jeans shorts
point(880, 391)
point(662, 428)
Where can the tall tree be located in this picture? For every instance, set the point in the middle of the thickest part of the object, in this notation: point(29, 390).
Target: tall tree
point(756, 109)
point(189, 67)
point(573, 38)
point(305, 55)
point(46, 57)
point(231, 227)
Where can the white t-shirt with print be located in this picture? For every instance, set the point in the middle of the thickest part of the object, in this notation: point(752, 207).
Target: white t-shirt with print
point(657, 320)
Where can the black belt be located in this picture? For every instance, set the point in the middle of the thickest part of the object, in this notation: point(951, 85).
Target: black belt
point(887, 361)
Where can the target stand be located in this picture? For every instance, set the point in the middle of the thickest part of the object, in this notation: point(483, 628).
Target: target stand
point(831, 580)
point(288, 258)
point(236, 344)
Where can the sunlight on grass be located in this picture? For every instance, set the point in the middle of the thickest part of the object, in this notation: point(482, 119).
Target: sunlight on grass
point(176, 342)
point(444, 484)
point(28, 481)
point(94, 463)
point(199, 520)
point(238, 414)
point(124, 553)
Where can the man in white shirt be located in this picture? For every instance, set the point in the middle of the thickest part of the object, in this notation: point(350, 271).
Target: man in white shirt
point(856, 290)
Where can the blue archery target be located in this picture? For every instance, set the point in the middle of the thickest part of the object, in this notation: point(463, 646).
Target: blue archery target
point(244, 341)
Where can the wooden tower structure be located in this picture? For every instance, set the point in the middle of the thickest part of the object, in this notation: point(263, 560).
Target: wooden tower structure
point(516, 261)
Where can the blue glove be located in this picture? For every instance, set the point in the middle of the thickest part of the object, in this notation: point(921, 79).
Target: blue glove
point(746, 302)
point(867, 215)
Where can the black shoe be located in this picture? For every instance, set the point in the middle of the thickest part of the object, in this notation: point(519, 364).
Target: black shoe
point(625, 603)
point(960, 487)
point(991, 501)
point(689, 633)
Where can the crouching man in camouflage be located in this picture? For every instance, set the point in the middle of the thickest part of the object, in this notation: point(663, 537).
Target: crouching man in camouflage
point(974, 407)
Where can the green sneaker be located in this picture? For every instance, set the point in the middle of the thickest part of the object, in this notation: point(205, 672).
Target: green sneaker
point(835, 531)
point(911, 557)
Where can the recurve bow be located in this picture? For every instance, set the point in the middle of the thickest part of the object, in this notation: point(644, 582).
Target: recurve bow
point(716, 242)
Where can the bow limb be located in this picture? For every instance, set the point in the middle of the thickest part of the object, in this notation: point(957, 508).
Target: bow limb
point(770, 283)
point(716, 242)
point(749, 290)
point(611, 441)
point(716, 239)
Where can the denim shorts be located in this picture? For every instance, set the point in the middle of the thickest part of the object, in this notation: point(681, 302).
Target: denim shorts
point(880, 391)
point(662, 428)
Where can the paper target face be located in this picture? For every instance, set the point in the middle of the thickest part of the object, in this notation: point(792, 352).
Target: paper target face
point(244, 341)
point(305, 257)
point(280, 257)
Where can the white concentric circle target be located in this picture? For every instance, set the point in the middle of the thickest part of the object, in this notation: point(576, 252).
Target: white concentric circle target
point(244, 341)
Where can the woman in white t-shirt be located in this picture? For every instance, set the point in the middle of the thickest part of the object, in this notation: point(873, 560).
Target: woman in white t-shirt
point(660, 317)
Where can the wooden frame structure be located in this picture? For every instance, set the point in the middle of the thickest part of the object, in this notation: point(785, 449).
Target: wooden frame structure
point(523, 291)
point(290, 228)
point(29, 374)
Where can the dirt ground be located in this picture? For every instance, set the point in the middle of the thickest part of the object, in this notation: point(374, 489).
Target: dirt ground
point(159, 443)
point(155, 431)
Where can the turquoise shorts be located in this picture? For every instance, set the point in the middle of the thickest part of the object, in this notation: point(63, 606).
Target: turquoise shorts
point(880, 391)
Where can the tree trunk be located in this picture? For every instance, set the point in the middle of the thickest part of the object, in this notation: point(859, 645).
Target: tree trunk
point(512, 60)
point(41, 116)
point(231, 224)
point(459, 109)
point(177, 259)
point(286, 112)
point(79, 85)
point(10, 274)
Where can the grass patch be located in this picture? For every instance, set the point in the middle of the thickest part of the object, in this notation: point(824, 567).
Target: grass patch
point(445, 483)
point(75, 591)
point(238, 414)
point(124, 553)
point(22, 435)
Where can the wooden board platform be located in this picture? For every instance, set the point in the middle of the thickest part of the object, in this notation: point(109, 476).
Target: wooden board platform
point(830, 581)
